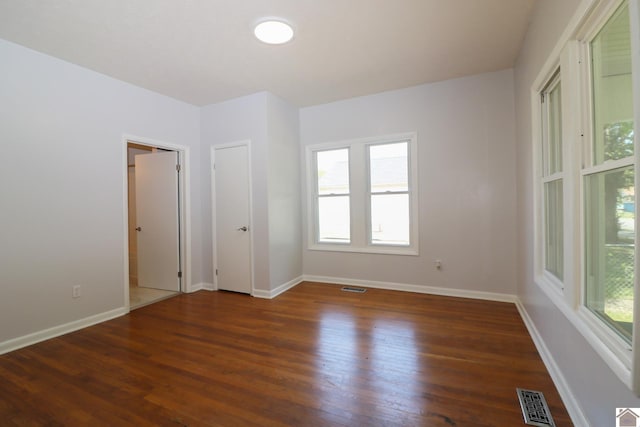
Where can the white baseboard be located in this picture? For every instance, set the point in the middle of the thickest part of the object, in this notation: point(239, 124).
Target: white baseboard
point(56, 331)
point(573, 407)
point(195, 287)
point(286, 286)
point(199, 286)
point(461, 293)
point(259, 293)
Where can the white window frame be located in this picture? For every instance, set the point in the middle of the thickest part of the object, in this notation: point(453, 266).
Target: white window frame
point(544, 177)
point(571, 54)
point(317, 197)
point(620, 348)
point(360, 209)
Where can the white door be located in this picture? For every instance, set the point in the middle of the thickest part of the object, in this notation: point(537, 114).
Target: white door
point(233, 234)
point(157, 220)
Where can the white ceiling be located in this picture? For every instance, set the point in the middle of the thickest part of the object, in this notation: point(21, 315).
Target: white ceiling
point(203, 51)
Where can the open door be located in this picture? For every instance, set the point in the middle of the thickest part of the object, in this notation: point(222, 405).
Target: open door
point(157, 220)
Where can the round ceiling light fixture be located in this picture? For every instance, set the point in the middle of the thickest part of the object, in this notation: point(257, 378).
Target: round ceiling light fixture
point(273, 31)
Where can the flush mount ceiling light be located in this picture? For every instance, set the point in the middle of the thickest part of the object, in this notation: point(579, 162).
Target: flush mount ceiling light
point(273, 31)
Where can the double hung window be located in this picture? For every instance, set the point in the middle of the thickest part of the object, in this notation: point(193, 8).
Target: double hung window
point(363, 195)
point(388, 195)
point(608, 174)
point(332, 196)
point(586, 173)
point(552, 178)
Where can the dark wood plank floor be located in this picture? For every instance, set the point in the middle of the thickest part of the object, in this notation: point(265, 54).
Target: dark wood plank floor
point(314, 356)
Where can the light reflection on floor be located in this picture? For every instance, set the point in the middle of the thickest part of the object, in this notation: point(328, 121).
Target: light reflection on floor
point(395, 366)
point(383, 359)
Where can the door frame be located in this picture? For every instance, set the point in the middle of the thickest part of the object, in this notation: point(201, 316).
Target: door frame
point(214, 235)
point(184, 205)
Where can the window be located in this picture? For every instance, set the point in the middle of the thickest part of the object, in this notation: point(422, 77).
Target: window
point(363, 195)
point(332, 195)
point(585, 115)
point(609, 192)
point(552, 177)
point(389, 194)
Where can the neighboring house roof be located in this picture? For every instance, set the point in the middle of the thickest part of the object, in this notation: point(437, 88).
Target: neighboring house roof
point(390, 170)
point(334, 177)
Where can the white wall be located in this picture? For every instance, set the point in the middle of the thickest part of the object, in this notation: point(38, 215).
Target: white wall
point(271, 124)
point(466, 164)
point(594, 385)
point(285, 215)
point(226, 122)
point(62, 185)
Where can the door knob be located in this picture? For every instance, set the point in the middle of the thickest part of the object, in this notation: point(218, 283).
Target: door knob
point(138, 228)
point(243, 228)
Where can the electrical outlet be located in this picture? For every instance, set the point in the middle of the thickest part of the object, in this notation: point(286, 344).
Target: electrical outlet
point(438, 264)
point(75, 291)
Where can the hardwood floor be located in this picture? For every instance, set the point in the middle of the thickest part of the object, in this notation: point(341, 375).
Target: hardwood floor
point(314, 356)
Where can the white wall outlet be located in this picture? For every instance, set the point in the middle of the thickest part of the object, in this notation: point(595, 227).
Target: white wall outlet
point(75, 291)
point(438, 264)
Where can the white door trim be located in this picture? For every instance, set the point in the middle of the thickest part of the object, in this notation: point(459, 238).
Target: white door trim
point(245, 143)
point(184, 203)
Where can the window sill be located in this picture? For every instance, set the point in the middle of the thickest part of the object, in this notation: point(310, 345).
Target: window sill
point(551, 285)
point(383, 250)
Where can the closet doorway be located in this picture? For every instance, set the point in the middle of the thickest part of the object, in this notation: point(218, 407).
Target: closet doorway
point(154, 223)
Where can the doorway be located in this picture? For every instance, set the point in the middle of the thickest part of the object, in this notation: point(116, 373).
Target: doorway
point(155, 227)
point(231, 189)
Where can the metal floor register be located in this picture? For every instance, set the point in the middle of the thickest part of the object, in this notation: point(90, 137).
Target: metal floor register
point(534, 408)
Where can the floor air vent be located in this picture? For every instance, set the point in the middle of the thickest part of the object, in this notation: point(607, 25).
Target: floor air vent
point(352, 289)
point(534, 408)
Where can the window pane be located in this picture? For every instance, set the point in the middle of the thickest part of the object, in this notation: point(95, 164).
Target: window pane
point(334, 219)
point(610, 247)
point(388, 167)
point(555, 130)
point(390, 219)
point(333, 171)
point(554, 242)
point(612, 90)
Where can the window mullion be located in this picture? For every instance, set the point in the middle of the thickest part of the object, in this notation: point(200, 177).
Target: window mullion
point(586, 109)
point(359, 203)
point(572, 121)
